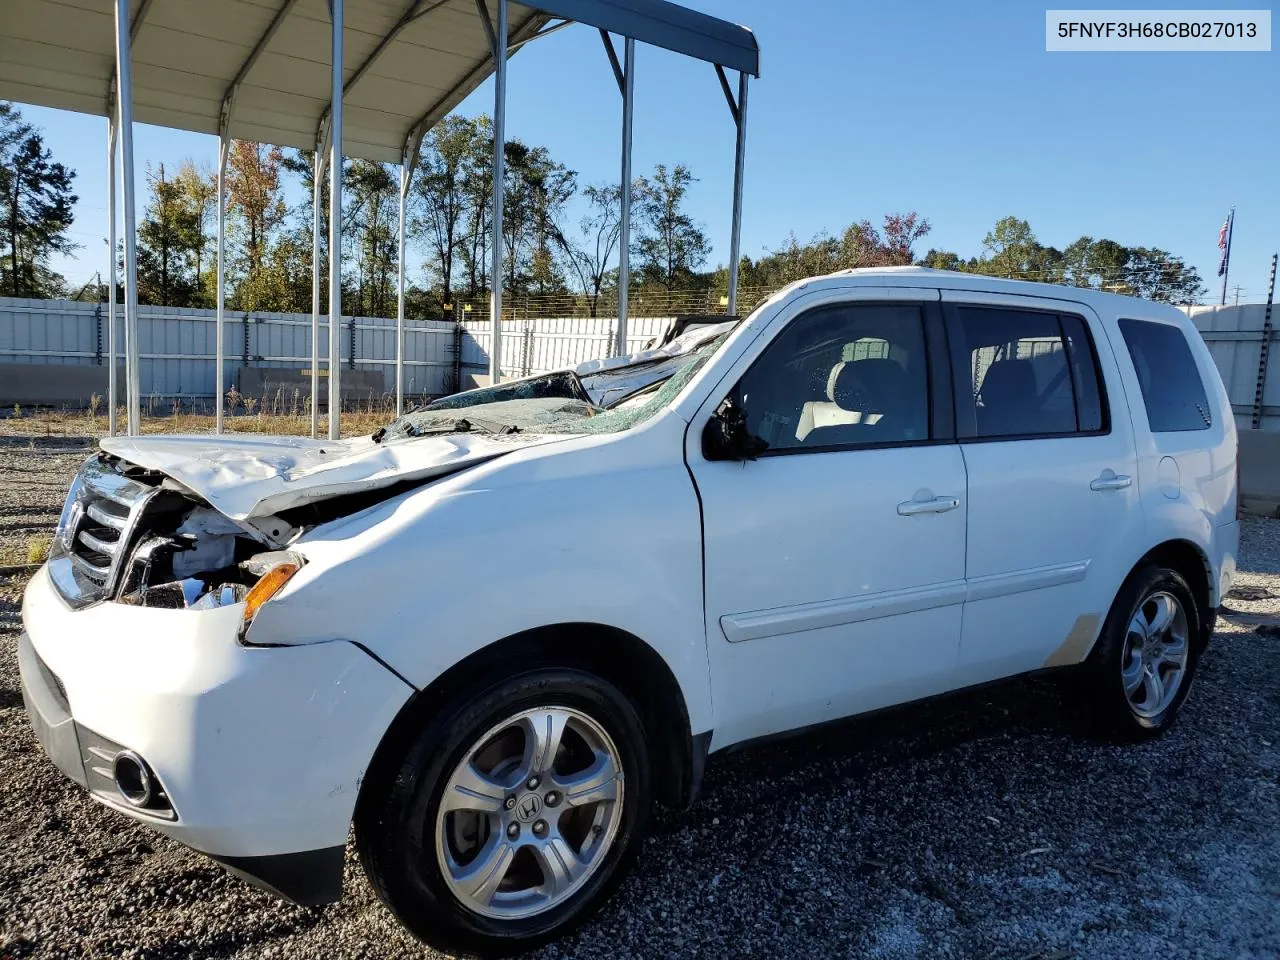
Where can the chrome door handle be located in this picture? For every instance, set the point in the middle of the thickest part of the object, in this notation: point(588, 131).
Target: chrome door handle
point(1111, 481)
point(912, 508)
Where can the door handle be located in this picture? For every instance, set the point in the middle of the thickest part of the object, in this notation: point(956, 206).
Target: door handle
point(912, 508)
point(1111, 481)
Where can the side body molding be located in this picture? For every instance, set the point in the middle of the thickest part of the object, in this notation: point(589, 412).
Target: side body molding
point(779, 621)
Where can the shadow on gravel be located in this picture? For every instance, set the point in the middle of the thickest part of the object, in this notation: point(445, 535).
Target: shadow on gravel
point(828, 756)
point(29, 441)
point(10, 699)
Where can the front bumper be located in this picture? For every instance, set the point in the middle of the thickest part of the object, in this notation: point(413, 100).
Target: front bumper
point(259, 752)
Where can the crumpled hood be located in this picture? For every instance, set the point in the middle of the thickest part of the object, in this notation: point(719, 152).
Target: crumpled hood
point(249, 476)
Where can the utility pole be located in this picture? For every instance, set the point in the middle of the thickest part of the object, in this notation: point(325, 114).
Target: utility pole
point(1237, 288)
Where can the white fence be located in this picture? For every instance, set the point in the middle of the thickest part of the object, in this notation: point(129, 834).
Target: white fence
point(1234, 335)
point(177, 355)
point(177, 347)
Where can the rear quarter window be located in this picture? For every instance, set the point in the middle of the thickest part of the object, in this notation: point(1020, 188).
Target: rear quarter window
point(1172, 389)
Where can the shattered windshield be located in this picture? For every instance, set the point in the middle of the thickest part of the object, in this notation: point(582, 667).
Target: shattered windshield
point(601, 396)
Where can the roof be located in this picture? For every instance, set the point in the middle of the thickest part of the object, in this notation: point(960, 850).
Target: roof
point(407, 62)
point(930, 278)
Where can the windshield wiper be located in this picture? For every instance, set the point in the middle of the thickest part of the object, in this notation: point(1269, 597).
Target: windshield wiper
point(460, 425)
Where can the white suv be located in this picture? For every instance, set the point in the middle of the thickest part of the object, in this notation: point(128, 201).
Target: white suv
point(495, 633)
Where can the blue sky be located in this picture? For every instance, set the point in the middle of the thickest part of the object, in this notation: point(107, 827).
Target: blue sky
point(862, 109)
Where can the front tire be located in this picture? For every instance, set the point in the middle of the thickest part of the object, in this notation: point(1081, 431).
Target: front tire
point(1141, 669)
point(512, 815)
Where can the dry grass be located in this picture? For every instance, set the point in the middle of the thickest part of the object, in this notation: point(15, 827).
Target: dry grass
point(81, 423)
point(32, 553)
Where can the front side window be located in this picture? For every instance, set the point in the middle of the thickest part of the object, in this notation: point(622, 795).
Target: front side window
point(1171, 386)
point(846, 375)
point(1022, 373)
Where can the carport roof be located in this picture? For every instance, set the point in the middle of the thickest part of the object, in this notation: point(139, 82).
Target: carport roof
point(407, 63)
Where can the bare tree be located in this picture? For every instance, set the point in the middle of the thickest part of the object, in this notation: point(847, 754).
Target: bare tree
point(591, 257)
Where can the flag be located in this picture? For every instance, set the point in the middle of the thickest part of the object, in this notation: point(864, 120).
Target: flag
point(1224, 243)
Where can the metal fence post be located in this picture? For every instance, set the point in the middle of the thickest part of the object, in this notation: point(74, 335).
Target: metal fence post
point(1264, 349)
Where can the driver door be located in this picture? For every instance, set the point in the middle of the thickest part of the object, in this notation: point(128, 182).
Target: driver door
point(834, 562)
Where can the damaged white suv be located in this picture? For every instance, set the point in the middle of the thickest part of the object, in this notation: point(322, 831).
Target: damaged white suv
point(495, 633)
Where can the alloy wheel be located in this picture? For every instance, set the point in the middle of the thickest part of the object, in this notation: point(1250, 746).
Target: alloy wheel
point(1154, 661)
point(530, 813)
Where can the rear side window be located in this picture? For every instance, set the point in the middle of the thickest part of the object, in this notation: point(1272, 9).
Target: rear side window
point(1171, 386)
point(1022, 373)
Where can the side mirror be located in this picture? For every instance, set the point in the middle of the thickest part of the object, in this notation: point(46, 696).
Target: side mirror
point(726, 436)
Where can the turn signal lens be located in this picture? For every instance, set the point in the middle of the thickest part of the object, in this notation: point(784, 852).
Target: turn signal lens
point(272, 582)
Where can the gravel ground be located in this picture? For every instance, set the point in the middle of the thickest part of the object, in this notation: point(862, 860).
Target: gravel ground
point(979, 825)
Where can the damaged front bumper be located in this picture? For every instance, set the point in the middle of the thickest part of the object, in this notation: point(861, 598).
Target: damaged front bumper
point(255, 755)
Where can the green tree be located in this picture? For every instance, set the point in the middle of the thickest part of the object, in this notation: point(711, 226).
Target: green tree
point(945, 260)
point(451, 157)
point(372, 216)
point(669, 245)
point(198, 195)
point(165, 269)
point(36, 209)
point(1012, 250)
point(1155, 274)
point(535, 190)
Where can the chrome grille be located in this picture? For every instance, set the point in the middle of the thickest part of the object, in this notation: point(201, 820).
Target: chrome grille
point(94, 534)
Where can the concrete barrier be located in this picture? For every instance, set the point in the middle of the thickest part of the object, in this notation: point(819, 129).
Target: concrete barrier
point(1260, 472)
point(56, 384)
point(269, 385)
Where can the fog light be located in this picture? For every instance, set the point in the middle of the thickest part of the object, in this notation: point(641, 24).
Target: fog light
point(133, 779)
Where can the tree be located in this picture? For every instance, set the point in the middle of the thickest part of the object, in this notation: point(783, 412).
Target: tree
point(535, 191)
point(198, 195)
point(165, 274)
point(450, 160)
point(475, 249)
point(591, 257)
point(256, 203)
point(1013, 251)
point(945, 260)
point(35, 209)
point(901, 231)
point(670, 246)
point(372, 214)
point(1155, 274)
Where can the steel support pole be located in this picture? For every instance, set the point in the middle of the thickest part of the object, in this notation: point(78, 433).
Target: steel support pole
point(112, 346)
point(124, 103)
point(624, 228)
point(739, 160)
point(219, 362)
point(317, 179)
point(335, 227)
point(499, 172)
point(406, 173)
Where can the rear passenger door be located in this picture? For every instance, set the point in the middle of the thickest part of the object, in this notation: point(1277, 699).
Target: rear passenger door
point(1053, 502)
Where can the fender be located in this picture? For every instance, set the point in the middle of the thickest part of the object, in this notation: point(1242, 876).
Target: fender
point(605, 531)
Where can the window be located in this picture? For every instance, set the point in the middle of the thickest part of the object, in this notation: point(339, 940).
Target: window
point(843, 375)
point(1171, 386)
point(1022, 373)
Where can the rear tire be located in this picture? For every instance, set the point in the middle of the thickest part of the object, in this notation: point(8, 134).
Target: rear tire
point(481, 843)
point(1142, 667)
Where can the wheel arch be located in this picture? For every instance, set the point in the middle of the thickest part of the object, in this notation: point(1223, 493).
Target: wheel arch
point(615, 655)
point(1193, 564)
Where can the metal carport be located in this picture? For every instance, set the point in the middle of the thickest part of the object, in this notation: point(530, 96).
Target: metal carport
point(372, 75)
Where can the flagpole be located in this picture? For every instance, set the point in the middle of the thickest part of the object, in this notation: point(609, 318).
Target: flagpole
point(1226, 256)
